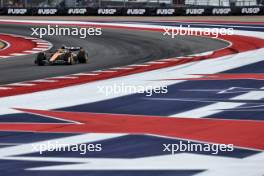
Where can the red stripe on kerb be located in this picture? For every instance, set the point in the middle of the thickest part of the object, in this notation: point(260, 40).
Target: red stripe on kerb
point(17, 44)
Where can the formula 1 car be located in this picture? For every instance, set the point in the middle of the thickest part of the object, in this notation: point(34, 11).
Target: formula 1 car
point(63, 56)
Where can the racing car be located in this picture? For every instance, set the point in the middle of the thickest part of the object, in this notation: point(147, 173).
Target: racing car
point(62, 56)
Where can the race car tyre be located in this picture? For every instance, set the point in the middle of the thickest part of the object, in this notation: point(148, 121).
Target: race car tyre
point(82, 57)
point(40, 60)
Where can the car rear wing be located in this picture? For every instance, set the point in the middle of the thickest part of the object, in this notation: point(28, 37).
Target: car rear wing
point(73, 48)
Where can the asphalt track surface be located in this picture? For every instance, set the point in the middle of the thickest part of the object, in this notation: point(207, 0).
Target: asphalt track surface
point(115, 47)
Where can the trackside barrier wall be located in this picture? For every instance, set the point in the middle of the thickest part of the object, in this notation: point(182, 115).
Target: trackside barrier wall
point(180, 11)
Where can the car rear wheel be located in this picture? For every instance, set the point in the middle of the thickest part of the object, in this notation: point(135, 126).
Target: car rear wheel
point(82, 57)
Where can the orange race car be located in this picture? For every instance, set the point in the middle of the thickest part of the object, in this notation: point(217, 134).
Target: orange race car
point(64, 55)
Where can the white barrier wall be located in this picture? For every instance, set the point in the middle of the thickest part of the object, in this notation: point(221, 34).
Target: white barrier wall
point(221, 2)
point(246, 2)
